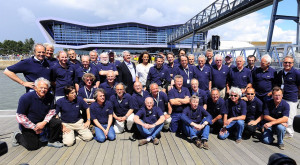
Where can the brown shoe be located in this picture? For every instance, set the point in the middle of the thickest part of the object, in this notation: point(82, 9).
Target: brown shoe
point(155, 141)
point(238, 141)
point(281, 146)
point(143, 142)
point(205, 145)
point(198, 143)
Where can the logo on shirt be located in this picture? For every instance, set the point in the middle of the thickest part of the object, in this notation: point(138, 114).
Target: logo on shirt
point(126, 102)
point(223, 72)
point(77, 106)
point(291, 78)
point(107, 110)
point(244, 76)
point(253, 106)
point(268, 76)
point(205, 72)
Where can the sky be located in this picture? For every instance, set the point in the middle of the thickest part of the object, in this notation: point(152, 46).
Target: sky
point(18, 17)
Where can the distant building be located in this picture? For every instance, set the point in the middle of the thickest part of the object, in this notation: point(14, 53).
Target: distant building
point(116, 36)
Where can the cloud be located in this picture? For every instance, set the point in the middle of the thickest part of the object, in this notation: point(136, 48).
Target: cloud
point(151, 15)
point(27, 15)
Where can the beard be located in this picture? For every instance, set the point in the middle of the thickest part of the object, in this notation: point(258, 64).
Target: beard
point(104, 61)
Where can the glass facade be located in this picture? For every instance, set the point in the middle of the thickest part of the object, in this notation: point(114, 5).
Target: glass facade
point(64, 33)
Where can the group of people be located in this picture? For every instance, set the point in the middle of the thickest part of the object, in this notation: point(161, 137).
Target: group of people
point(66, 97)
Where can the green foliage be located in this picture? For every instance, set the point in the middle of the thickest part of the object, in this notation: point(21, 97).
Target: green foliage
point(10, 47)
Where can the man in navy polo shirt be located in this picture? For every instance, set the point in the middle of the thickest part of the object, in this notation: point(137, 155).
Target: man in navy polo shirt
point(179, 98)
point(109, 84)
point(254, 113)
point(186, 71)
point(112, 60)
point(276, 113)
point(35, 111)
point(195, 90)
point(216, 106)
point(240, 76)
point(161, 100)
point(229, 61)
point(72, 59)
point(32, 68)
point(264, 79)
point(195, 122)
point(85, 68)
point(94, 57)
point(123, 110)
point(289, 81)
point(104, 66)
point(171, 66)
point(149, 120)
point(191, 59)
point(219, 75)
point(49, 54)
point(203, 74)
point(251, 63)
point(159, 74)
point(62, 74)
point(138, 97)
point(209, 57)
point(182, 52)
point(234, 115)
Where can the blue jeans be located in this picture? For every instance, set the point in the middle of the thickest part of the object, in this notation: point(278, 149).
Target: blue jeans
point(192, 132)
point(238, 124)
point(279, 129)
point(100, 137)
point(175, 122)
point(150, 132)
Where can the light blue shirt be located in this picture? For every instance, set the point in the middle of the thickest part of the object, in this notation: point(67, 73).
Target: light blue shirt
point(131, 69)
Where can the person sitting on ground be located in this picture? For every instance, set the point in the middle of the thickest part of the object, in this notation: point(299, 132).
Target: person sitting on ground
point(196, 122)
point(123, 110)
point(69, 108)
point(234, 115)
point(86, 92)
point(35, 113)
point(101, 115)
point(276, 114)
point(216, 106)
point(254, 113)
point(149, 122)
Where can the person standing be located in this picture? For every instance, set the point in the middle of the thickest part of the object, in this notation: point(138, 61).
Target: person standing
point(127, 72)
point(142, 69)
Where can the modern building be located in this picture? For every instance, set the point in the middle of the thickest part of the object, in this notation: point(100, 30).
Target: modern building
point(116, 36)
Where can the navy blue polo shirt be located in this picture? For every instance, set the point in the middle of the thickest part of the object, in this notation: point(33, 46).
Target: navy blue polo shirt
point(149, 116)
point(231, 66)
point(210, 65)
point(219, 77)
point(190, 115)
point(161, 100)
point(138, 101)
point(254, 109)
point(238, 78)
point(105, 67)
point(283, 109)
point(75, 65)
point(217, 108)
point(291, 83)
point(109, 91)
point(186, 74)
point(83, 92)
point(263, 82)
point(70, 111)
point(81, 71)
point(202, 96)
point(174, 93)
point(34, 107)
point(203, 76)
point(235, 110)
point(116, 63)
point(52, 61)
point(121, 108)
point(252, 70)
point(101, 113)
point(171, 69)
point(31, 69)
point(62, 77)
point(177, 61)
point(157, 76)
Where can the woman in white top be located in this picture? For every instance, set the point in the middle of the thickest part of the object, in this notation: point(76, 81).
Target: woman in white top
point(142, 69)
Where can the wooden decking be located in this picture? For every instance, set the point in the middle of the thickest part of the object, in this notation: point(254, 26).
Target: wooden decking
point(171, 150)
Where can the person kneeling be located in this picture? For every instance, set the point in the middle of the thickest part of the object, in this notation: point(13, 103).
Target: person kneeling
point(195, 122)
point(69, 107)
point(101, 114)
point(149, 122)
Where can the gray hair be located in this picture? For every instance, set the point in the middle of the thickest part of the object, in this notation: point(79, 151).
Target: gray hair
point(59, 52)
point(209, 50)
point(177, 77)
point(194, 97)
point(288, 56)
point(120, 83)
point(218, 56)
point(152, 85)
point(43, 80)
point(36, 45)
point(48, 45)
point(149, 98)
point(104, 53)
point(214, 89)
point(241, 57)
point(110, 71)
point(201, 56)
point(125, 51)
point(235, 90)
point(95, 94)
point(94, 51)
point(191, 55)
point(267, 58)
point(85, 55)
point(194, 79)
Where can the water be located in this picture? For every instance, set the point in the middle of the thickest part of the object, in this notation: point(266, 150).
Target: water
point(10, 92)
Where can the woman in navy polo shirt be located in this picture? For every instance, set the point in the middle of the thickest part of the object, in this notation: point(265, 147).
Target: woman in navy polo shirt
point(70, 107)
point(101, 114)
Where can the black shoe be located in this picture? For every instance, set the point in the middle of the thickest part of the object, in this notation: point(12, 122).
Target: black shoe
point(158, 136)
point(133, 137)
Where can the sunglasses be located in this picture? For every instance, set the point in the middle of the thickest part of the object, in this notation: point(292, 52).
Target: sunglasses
point(287, 62)
point(233, 95)
point(250, 94)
